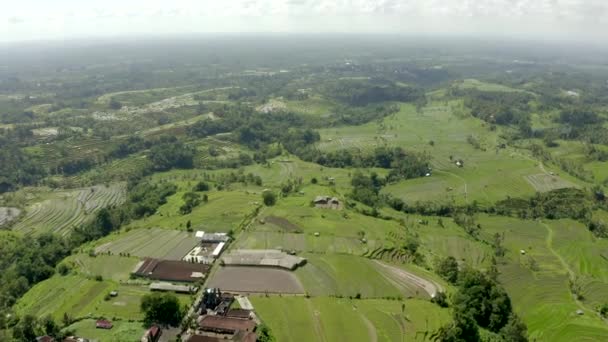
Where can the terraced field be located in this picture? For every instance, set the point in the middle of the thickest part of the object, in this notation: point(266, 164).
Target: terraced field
point(153, 243)
point(331, 319)
point(61, 211)
point(304, 242)
point(490, 173)
point(114, 267)
point(345, 275)
point(80, 297)
point(123, 331)
point(224, 211)
point(538, 282)
point(58, 295)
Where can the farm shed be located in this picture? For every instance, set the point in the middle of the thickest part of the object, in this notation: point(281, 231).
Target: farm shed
point(218, 249)
point(170, 270)
point(215, 237)
point(225, 325)
point(168, 287)
point(103, 324)
point(327, 202)
point(75, 339)
point(202, 253)
point(239, 313)
point(152, 334)
point(201, 338)
point(263, 257)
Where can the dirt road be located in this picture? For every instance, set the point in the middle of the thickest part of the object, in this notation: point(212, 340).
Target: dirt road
point(405, 277)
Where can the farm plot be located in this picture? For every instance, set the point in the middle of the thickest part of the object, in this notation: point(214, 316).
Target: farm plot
point(58, 295)
point(153, 243)
point(303, 243)
point(224, 211)
point(114, 267)
point(122, 331)
point(245, 279)
point(543, 182)
point(537, 281)
point(410, 283)
point(8, 214)
point(345, 275)
point(61, 211)
point(333, 319)
point(126, 304)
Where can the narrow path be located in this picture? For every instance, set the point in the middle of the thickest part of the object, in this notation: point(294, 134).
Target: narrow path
point(316, 322)
point(371, 329)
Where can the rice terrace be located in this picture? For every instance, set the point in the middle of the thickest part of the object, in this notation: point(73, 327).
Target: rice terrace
point(303, 187)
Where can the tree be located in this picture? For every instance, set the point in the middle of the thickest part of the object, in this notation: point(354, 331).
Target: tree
point(440, 299)
point(191, 200)
point(448, 269)
point(482, 298)
point(462, 329)
point(26, 329)
point(515, 330)
point(269, 197)
point(264, 334)
point(202, 186)
point(604, 310)
point(115, 104)
point(161, 309)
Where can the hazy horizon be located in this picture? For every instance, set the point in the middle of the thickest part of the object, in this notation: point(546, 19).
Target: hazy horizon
point(555, 20)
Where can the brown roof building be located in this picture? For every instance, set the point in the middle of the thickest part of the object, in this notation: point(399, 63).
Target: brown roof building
point(45, 338)
point(225, 325)
point(201, 338)
point(171, 270)
point(239, 313)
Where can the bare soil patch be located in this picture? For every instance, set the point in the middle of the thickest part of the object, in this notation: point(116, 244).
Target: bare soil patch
point(8, 214)
point(242, 279)
point(171, 270)
point(284, 224)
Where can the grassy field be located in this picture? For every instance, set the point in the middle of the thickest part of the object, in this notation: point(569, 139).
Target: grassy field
point(153, 243)
point(304, 242)
point(345, 275)
point(112, 267)
point(331, 319)
point(123, 331)
point(489, 173)
point(80, 297)
point(75, 295)
point(224, 211)
point(327, 222)
point(537, 282)
point(485, 86)
point(61, 211)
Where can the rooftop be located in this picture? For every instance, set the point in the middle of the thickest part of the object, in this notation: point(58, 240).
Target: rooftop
point(225, 324)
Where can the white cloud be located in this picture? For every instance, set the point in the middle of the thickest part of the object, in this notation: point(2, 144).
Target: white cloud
point(42, 19)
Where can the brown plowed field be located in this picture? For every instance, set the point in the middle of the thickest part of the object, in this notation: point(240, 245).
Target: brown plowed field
point(241, 279)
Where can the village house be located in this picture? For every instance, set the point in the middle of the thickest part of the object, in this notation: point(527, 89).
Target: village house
point(103, 324)
point(327, 202)
point(45, 338)
point(152, 334)
point(225, 325)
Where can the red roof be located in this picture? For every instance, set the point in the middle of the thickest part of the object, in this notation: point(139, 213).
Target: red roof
point(103, 324)
point(153, 331)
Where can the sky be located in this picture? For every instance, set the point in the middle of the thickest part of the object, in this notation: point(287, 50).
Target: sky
point(26, 20)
